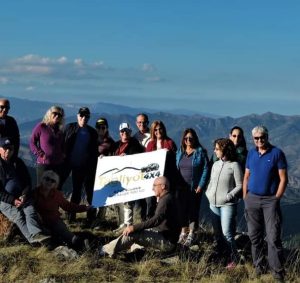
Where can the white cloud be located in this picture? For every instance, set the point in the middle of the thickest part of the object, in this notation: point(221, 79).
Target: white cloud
point(30, 88)
point(30, 69)
point(62, 60)
point(148, 67)
point(3, 80)
point(78, 62)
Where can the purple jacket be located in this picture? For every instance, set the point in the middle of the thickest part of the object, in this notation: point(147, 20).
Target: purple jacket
point(47, 145)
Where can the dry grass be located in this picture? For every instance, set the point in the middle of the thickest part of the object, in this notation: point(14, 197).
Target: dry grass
point(23, 263)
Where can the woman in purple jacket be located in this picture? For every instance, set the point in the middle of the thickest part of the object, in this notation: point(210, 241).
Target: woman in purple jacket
point(47, 142)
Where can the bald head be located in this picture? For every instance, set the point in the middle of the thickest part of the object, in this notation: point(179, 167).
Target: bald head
point(161, 186)
point(4, 107)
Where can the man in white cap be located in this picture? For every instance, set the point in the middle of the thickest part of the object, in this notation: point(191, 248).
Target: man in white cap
point(125, 146)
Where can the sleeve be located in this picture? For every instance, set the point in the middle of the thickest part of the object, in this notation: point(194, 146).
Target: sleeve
point(282, 163)
point(35, 141)
point(67, 205)
point(205, 170)
point(238, 179)
point(156, 220)
point(16, 136)
point(5, 196)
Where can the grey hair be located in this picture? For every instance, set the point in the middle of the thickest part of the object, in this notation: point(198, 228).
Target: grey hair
point(54, 108)
point(260, 129)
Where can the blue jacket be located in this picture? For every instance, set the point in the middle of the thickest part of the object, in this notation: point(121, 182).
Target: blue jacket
point(200, 167)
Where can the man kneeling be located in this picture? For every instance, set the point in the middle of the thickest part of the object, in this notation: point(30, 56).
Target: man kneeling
point(161, 231)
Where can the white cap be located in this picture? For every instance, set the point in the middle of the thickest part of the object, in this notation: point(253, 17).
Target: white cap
point(124, 126)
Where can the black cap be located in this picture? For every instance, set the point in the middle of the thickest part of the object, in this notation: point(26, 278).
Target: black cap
point(101, 121)
point(84, 110)
point(5, 142)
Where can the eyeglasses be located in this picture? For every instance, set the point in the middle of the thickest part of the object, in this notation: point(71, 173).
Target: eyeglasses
point(2, 107)
point(189, 139)
point(101, 127)
point(59, 115)
point(50, 180)
point(217, 149)
point(155, 185)
point(262, 138)
point(158, 129)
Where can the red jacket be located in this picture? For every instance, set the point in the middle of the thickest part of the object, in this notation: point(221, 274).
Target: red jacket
point(48, 207)
point(166, 143)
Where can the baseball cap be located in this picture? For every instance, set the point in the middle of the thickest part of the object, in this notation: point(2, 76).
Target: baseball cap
point(101, 121)
point(124, 126)
point(84, 110)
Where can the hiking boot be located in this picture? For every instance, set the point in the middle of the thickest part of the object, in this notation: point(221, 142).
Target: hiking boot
point(182, 238)
point(40, 238)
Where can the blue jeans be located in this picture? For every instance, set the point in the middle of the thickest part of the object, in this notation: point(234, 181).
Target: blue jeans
point(224, 223)
point(25, 217)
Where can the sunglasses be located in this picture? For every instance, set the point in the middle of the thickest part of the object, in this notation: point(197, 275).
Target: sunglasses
point(158, 129)
point(236, 136)
point(2, 107)
point(101, 127)
point(84, 115)
point(125, 131)
point(59, 115)
point(189, 139)
point(262, 138)
point(50, 180)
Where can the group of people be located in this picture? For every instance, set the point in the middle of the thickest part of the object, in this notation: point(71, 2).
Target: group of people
point(171, 216)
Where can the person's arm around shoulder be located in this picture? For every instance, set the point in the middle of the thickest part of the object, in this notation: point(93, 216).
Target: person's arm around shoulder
point(283, 177)
point(245, 182)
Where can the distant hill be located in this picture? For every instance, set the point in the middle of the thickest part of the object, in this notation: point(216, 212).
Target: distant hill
point(284, 133)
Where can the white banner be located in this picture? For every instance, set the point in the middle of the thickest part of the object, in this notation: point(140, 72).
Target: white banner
point(125, 178)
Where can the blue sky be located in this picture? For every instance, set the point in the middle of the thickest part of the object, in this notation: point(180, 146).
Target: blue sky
point(223, 57)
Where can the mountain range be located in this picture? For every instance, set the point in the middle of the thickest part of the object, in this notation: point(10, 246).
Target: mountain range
point(284, 132)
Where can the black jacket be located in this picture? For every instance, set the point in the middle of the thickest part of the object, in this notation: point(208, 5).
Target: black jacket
point(70, 133)
point(23, 177)
point(164, 219)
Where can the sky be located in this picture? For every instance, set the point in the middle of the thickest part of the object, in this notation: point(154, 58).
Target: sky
point(230, 58)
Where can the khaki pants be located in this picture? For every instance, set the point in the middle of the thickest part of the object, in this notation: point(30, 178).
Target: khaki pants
point(146, 238)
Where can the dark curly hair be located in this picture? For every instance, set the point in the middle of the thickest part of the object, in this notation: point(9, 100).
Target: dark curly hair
point(227, 147)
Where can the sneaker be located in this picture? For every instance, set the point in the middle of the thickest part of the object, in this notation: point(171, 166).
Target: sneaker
point(189, 240)
point(182, 238)
point(39, 238)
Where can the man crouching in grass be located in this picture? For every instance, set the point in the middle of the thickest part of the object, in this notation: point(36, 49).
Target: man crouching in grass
point(160, 232)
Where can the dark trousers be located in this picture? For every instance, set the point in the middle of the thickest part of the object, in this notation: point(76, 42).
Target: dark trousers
point(82, 177)
point(189, 208)
point(263, 213)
